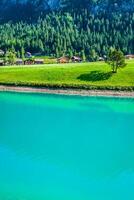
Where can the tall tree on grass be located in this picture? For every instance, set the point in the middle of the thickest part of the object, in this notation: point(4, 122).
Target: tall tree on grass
point(23, 53)
point(116, 59)
point(10, 57)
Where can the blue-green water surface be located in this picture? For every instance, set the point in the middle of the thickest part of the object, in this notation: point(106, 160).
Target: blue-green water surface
point(66, 148)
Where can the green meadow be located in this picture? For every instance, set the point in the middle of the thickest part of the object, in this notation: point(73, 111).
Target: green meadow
point(97, 75)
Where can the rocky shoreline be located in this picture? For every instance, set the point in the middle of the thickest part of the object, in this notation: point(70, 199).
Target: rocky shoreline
point(111, 93)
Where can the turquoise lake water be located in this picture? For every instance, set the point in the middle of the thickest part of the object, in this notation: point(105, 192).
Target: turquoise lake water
point(55, 147)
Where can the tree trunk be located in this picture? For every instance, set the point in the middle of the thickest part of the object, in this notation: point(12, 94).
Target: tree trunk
point(116, 67)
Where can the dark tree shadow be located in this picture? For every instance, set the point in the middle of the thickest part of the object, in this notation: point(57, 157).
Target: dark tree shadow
point(95, 76)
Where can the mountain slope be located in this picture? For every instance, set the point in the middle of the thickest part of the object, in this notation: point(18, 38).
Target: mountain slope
point(32, 9)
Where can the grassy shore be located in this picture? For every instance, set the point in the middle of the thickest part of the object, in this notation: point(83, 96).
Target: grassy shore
point(84, 76)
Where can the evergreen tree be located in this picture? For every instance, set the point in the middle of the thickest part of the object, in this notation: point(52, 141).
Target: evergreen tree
point(83, 55)
point(93, 55)
point(23, 53)
point(116, 59)
point(18, 54)
point(10, 57)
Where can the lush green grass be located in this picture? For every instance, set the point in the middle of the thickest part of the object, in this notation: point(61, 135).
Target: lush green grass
point(85, 75)
point(47, 59)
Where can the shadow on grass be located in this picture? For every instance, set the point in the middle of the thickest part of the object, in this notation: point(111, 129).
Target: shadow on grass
point(95, 76)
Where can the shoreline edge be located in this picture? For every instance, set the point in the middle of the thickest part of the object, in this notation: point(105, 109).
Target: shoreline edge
point(78, 92)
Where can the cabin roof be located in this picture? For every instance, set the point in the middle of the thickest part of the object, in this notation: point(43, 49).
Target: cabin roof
point(19, 60)
point(130, 55)
point(76, 57)
point(28, 53)
point(39, 60)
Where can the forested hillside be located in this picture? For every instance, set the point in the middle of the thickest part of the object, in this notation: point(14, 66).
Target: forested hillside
point(68, 27)
point(28, 10)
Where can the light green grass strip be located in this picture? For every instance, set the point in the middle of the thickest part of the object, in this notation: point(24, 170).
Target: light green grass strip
point(81, 75)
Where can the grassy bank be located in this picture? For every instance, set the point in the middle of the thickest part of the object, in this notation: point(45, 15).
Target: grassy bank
point(85, 76)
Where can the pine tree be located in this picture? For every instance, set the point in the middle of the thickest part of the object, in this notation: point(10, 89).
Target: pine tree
point(93, 55)
point(18, 54)
point(83, 55)
point(23, 53)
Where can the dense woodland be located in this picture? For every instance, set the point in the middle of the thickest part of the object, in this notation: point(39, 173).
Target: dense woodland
point(71, 31)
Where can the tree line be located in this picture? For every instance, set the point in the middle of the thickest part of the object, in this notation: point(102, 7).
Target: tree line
point(64, 33)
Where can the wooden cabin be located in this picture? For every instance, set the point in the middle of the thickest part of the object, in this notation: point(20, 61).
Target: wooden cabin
point(38, 61)
point(19, 62)
point(130, 56)
point(64, 59)
point(29, 62)
point(101, 59)
point(28, 55)
point(76, 59)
